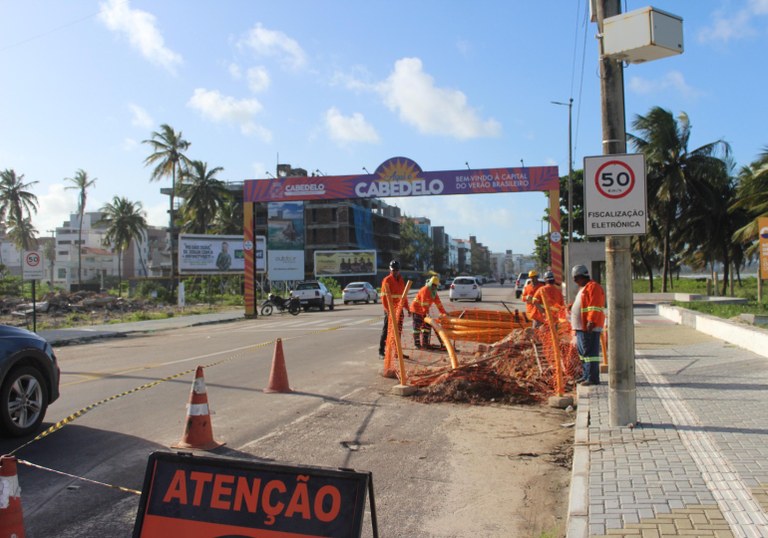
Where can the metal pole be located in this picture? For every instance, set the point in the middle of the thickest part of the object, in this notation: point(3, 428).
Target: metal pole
point(622, 403)
point(568, 283)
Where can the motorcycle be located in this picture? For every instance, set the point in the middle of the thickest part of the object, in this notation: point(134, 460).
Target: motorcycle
point(292, 305)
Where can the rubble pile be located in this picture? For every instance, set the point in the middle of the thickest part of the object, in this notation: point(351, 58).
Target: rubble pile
point(100, 306)
point(510, 371)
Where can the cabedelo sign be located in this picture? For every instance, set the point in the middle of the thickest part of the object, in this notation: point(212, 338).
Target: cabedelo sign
point(615, 195)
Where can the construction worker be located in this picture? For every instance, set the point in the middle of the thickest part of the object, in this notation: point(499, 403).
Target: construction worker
point(392, 288)
point(554, 297)
point(528, 291)
point(588, 319)
point(426, 297)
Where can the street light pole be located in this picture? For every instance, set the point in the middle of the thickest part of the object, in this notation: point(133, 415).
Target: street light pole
point(568, 283)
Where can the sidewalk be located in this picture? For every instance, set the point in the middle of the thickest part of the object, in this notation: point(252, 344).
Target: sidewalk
point(696, 463)
point(76, 335)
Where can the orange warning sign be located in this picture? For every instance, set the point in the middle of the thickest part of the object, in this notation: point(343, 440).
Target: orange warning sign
point(186, 495)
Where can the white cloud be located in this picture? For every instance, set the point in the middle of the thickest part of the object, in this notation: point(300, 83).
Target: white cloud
point(432, 110)
point(354, 128)
point(733, 25)
point(273, 43)
point(55, 207)
point(759, 7)
point(157, 215)
point(353, 81)
point(220, 108)
point(140, 117)
point(258, 79)
point(139, 27)
point(235, 72)
point(674, 80)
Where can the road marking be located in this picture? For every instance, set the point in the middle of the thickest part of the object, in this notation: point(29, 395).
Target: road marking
point(732, 495)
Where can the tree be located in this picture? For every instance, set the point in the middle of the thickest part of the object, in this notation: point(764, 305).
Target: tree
point(16, 201)
point(125, 223)
point(82, 183)
point(22, 233)
point(415, 245)
point(204, 196)
point(229, 219)
point(752, 198)
point(674, 172)
point(169, 160)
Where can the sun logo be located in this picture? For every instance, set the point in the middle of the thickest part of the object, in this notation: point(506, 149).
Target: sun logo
point(399, 170)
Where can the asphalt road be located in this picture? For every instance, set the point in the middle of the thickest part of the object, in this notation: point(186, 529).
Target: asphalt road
point(124, 398)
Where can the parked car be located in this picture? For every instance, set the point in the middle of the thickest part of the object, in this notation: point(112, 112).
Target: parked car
point(522, 280)
point(29, 380)
point(466, 287)
point(359, 291)
point(313, 294)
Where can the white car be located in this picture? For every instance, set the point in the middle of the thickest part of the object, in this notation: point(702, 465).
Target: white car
point(358, 292)
point(313, 294)
point(466, 287)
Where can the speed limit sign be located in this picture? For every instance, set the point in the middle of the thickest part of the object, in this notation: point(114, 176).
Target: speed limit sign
point(33, 267)
point(615, 200)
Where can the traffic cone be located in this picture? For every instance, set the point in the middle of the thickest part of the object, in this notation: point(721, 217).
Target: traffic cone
point(278, 376)
point(11, 517)
point(198, 432)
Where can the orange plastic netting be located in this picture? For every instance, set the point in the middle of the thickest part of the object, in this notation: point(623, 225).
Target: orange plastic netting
point(480, 354)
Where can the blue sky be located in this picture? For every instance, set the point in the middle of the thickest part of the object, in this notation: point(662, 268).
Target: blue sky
point(337, 86)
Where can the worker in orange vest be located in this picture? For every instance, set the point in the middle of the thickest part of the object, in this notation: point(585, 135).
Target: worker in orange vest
point(392, 288)
point(588, 319)
point(420, 306)
point(553, 295)
point(528, 291)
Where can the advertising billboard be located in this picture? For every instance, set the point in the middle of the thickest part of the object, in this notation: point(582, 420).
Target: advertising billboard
point(211, 254)
point(285, 240)
point(345, 262)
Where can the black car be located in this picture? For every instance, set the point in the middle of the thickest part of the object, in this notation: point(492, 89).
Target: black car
point(29, 380)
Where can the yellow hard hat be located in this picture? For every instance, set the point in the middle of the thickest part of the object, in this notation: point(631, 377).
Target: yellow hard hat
point(532, 274)
point(434, 281)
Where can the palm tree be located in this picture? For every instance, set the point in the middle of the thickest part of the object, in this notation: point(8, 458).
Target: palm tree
point(229, 219)
point(15, 200)
point(675, 174)
point(81, 183)
point(203, 194)
point(752, 197)
point(169, 160)
point(22, 233)
point(125, 223)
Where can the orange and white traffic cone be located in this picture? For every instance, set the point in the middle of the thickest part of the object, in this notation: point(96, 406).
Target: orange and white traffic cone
point(11, 517)
point(198, 432)
point(278, 376)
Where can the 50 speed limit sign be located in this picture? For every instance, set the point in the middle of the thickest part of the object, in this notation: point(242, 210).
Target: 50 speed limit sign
point(615, 200)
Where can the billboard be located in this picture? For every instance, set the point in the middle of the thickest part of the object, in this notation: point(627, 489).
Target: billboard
point(285, 240)
point(345, 262)
point(211, 254)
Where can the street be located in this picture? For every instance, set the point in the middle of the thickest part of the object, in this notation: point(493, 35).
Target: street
point(438, 469)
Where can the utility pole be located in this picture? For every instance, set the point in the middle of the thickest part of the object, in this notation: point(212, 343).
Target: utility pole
point(569, 295)
point(622, 402)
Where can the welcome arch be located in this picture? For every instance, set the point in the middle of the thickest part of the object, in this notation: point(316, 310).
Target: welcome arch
point(399, 177)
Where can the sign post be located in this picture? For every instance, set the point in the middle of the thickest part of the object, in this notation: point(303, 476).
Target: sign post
point(33, 268)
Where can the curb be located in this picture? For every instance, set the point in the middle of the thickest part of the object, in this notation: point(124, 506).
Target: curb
point(578, 496)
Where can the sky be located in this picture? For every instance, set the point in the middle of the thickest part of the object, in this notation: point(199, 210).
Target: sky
point(338, 86)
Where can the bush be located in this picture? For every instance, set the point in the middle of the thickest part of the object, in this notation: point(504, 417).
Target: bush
point(332, 284)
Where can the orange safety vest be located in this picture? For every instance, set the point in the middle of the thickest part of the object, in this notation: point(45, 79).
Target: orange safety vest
point(554, 298)
point(425, 299)
point(593, 304)
point(528, 292)
point(392, 287)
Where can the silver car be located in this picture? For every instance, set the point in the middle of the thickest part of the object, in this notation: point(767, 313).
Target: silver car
point(466, 287)
point(359, 292)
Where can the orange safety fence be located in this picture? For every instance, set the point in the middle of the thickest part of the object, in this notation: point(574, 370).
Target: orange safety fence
point(489, 348)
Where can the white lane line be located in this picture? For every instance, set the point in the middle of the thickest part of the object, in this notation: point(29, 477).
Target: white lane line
point(732, 495)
